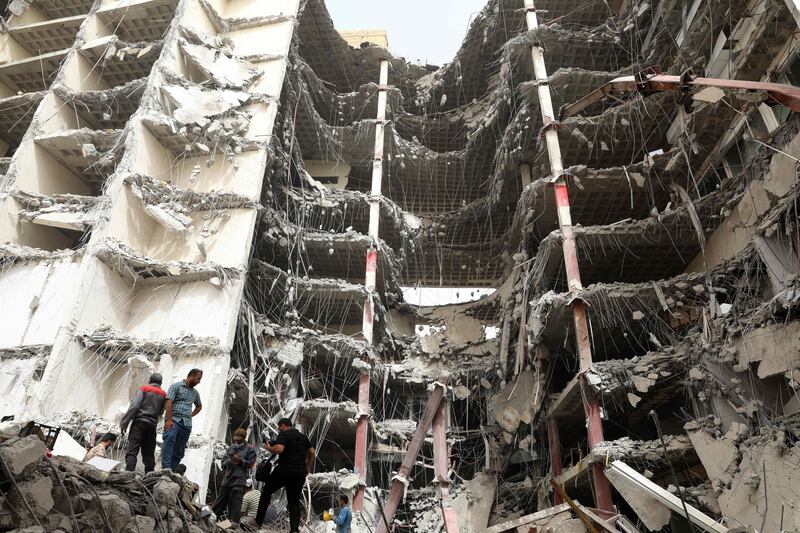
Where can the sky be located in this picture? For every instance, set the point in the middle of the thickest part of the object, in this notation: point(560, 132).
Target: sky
point(443, 295)
point(424, 31)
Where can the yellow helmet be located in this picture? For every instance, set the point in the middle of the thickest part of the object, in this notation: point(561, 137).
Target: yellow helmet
point(326, 516)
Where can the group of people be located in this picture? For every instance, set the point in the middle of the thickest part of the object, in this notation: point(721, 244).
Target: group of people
point(179, 404)
point(295, 459)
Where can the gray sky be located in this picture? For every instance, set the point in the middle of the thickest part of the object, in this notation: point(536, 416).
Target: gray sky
point(426, 30)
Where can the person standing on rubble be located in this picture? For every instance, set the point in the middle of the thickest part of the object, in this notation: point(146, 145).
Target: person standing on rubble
point(181, 396)
point(238, 462)
point(345, 517)
point(142, 416)
point(102, 447)
point(295, 459)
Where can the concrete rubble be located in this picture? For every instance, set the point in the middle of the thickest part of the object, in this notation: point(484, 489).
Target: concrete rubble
point(63, 494)
point(338, 235)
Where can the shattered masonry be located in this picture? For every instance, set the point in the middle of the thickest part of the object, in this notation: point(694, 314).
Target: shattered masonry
point(188, 183)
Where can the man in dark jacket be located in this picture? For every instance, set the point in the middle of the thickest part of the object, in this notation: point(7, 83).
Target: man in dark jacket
point(295, 458)
point(146, 408)
point(239, 461)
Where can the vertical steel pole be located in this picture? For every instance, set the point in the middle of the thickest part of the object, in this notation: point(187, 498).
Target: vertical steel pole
point(401, 480)
point(441, 467)
point(602, 488)
point(360, 460)
point(554, 446)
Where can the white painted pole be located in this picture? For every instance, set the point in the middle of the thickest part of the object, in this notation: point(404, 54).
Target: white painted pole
point(367, 328)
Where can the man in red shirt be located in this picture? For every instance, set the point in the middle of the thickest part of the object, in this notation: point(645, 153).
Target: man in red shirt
point(143, 413)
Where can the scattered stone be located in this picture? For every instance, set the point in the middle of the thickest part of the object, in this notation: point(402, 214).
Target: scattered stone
point(141, 524)
point(38, 493)
point(696, 374)
point(642, 383)
point(95, 500)
point(461, 392)
point(22, 454)
point(166, 492)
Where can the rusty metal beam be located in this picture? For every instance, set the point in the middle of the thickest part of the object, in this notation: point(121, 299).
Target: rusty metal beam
point(554, 446)
point(402, 477)
point(602, 488)
point(553, 443)
point(650, 83)
point(441, 468)
point(574, 506)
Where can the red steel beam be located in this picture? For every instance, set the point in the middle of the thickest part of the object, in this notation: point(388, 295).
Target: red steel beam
point(646, 83)
point(553, 436)
point(361, 438)
point(441, 468)
point(554, 447)
point(371, 269)
point(602, 488)
point(399, 481)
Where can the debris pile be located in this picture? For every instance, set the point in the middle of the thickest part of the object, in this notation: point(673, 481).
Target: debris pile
point(60, 493)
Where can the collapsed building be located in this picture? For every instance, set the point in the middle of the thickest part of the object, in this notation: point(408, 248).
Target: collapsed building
point(230, 185)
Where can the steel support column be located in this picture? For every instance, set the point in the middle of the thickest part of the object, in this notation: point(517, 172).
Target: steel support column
point(360, 460)
point(441, 468)
point(554, 447)
point(400, 480)
point(602, 489)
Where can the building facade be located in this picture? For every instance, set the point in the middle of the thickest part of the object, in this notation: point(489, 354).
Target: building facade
point(233, 186)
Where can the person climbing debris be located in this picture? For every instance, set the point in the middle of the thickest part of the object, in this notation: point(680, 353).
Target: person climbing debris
point(295, 459)
point(238, 463)
point(102, 447)
point(140, 421)
point(181, 396)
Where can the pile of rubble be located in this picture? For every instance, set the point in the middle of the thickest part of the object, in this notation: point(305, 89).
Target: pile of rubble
point(38, 493)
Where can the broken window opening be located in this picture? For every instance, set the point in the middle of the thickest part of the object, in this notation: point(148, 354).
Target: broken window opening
point(436, 296)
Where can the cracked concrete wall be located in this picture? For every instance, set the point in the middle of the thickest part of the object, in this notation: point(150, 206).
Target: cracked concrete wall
point(759, 198)
point(148, 312)
point(752, 476)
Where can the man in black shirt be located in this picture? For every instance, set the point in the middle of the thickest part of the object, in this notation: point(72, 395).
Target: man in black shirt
point(295, 458)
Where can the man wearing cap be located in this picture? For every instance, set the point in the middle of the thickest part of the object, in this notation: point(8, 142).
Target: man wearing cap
point(239, 461)
point(146, 408)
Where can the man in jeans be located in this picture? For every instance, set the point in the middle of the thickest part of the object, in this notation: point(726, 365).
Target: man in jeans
point(146, 408)
point(239, 461)
point(181, 397)
point(295, 458)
